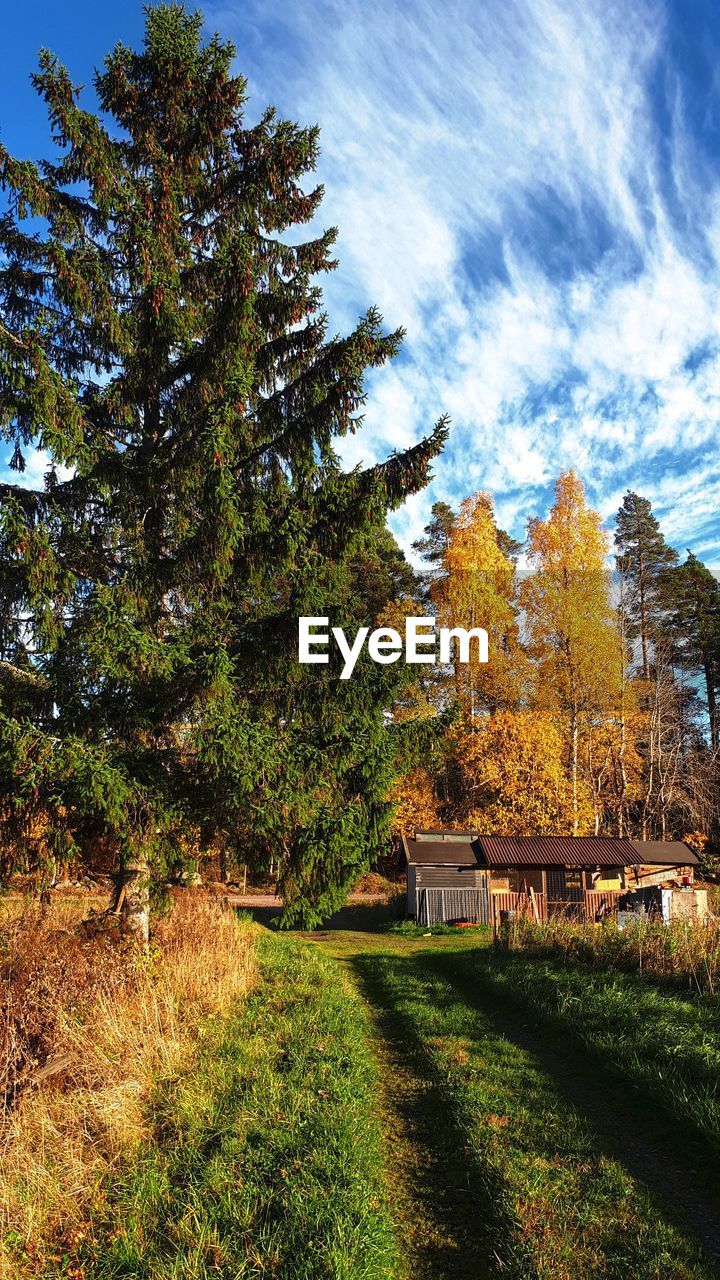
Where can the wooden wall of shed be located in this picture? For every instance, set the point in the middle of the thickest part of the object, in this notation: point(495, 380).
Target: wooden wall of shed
point(500, 879)
point(449, 877)
point(653, 875)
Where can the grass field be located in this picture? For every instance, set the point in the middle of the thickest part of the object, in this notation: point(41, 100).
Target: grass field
point(663, 1046)
point(260, 1157)
point(377, 1105)
point(551, 1174)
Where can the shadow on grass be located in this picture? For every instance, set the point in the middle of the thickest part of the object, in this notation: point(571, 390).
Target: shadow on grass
point(449, 1204)
point(670, 1159)
point(363, 917)
point(267, 916)
point(356, 917)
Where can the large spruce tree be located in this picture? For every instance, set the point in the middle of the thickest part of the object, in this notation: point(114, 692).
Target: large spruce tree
point(162, 338)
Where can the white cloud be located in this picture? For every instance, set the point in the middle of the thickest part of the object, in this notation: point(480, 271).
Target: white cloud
point(37, 464)
point(505, 190)
point(444, 143)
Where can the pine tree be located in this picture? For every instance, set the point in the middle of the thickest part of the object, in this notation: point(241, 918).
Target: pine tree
point(433, 546)
point(692, 595)
point(643, 558)
point(162, 337)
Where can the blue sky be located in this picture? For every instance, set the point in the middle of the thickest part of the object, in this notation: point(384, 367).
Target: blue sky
point(530, 187)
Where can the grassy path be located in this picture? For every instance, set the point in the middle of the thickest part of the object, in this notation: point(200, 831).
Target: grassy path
point(434, 1186)
point(389, 1107)
point(662, 1159)
point(664, 1044)
point(508, 1155)
point(431, 1173)
point(264, 1158)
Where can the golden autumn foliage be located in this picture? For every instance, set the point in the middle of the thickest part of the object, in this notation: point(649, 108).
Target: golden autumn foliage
point(416, 805)
point(419, 700)
point(477, 590)
point(561, 731)
point(611, 760)
point(514, 778)
point(571, 624)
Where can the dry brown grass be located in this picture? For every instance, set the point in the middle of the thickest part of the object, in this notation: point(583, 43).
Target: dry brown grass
point(119, 1023)
point(686, 953)
point(50, 970)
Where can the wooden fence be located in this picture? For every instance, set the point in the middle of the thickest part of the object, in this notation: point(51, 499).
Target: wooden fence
point(589, 906)
point(440, 906)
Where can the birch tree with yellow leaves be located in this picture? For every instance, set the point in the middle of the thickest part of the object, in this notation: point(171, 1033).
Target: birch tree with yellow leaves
point(513, 777)
point(478, 589)
point(571, 625)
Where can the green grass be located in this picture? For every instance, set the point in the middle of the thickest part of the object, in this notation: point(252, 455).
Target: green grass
point(409, 929)
point(663, 1045)
point(554, 1204)
point(265, 1158)
point(679, 956)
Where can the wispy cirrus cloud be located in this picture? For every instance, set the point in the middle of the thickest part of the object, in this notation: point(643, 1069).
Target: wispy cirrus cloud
point(531, 187)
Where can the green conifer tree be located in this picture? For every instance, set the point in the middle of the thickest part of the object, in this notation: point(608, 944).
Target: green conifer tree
point(162, 338)
point(693, 598)
point(433, 546)
point(643, 557)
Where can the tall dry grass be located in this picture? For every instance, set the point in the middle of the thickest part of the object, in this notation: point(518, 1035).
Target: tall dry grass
point(684, 952)
point(117, 1023)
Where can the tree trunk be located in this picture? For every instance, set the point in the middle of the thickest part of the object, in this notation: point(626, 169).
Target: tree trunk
point(574, 767)
point(643, 619)
point(134, 899)
point(712, 704)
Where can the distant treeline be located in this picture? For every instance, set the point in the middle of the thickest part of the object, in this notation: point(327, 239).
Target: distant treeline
point(598, 710)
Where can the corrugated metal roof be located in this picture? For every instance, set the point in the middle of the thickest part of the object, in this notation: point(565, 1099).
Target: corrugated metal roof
point(556, 851)
point(663, 853)
point(438, 853)
point(431, 849)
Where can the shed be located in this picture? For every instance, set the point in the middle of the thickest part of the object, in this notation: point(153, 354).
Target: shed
point(444, 878)
point(467, 874)
point(660, 860)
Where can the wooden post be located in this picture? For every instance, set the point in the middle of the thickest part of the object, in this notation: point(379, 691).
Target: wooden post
point(244, 877)
point(533, 900)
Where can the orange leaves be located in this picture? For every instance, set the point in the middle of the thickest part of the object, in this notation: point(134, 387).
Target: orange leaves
point(513, 776)
point(572, 533)
point(571, 623)
point(416, 803)
point(477, 591)
point(573, 631)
